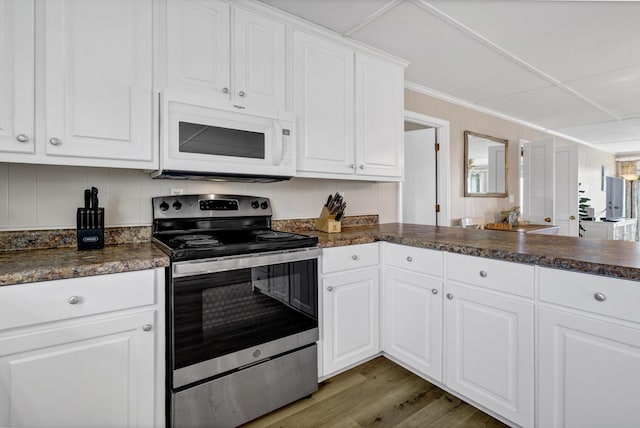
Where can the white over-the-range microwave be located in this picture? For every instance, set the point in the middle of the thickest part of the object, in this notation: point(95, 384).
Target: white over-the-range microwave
point(212, 140)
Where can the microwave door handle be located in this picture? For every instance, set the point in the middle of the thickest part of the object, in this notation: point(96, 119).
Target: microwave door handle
point(278, 142)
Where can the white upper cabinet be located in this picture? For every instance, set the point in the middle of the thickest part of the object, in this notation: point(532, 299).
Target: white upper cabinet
point(323, 84)
point(226, 53)
point(379, 117)
point(198, 47)
point(98, 86)
point(350, 109)
point(94, 102)
point(17, 76)
point(259, 56)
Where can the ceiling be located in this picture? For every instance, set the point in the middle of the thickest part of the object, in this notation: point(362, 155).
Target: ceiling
point(569, 67)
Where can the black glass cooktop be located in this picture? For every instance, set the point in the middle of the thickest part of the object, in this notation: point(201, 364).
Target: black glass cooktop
point(203, 244)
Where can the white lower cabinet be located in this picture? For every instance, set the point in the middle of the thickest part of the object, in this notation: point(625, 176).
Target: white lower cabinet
point(589, 372)
point(350, 300)
point(92, 357)
point(589, 351)
point(412, 330)
point(350, 312)
point(468, 324)
point(489, 351)
point(86, 374)
point(463, 327)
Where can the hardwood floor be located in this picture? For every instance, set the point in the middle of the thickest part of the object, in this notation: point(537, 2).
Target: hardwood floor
point(378, 393)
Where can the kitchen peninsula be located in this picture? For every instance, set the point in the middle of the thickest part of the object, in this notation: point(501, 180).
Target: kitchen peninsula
point(511, 322)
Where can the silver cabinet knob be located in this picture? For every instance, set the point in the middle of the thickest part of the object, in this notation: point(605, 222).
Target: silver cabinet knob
point(352, 166)
point(600, 297)
point(409, 259)
point(361, 167)
point(329, 288)
point(483, 274)
point(241, 93)
point(147, 327)
point(354, 257)
point(74, 300)
point(22, 138)
point(55, 141)
point(225, 90)
point(434, 291)
point(449, 296)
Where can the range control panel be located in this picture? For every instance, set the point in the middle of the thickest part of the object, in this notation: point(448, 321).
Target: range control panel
point(219, 205)
point(212, 205)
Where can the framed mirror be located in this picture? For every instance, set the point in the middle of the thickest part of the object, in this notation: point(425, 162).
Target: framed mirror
point(485, 165)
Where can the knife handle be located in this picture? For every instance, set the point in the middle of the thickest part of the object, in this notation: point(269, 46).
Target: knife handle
point(87, 198)
point(94, 198)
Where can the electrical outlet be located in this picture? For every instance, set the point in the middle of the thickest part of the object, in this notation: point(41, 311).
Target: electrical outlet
point(177, 191)
point(511, 199)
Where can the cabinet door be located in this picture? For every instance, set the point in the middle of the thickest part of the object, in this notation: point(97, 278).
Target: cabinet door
point(17, 76)
point(489, 351)
point(198, 47)
point(259, 61)
point(412, 313)
point(350, 318)
point(379, 107)
point(98, 88)
point(323, 103)
point(92, 374)
point(589, 372)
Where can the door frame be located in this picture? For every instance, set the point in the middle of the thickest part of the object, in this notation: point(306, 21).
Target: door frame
point(443, 137)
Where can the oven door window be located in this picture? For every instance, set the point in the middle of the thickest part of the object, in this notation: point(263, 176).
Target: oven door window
point(218, 141)
point(224, 312)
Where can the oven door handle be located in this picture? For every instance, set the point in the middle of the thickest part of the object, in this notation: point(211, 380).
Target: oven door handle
point(200, 267)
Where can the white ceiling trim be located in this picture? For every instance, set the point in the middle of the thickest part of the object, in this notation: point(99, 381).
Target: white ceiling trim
point(424, 5)
point(467, 104)
point(375, 15)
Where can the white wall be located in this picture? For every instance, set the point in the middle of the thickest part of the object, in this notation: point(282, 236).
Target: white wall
point(462, 118)
point(43, 196)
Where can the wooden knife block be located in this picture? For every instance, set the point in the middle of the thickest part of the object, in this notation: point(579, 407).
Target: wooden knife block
point(327, 222)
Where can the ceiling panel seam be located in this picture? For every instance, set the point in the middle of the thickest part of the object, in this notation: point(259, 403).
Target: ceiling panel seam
point(483, 109)
point(508, 55)
point(375, 15)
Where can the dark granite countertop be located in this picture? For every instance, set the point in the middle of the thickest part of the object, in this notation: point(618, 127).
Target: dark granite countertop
point(619, 259)
point(18, 267)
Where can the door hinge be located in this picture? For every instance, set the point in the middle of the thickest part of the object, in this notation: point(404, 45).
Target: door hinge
point(437, 208)
point(437, 147)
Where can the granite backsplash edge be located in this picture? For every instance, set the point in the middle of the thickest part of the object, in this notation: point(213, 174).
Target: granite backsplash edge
point(19, 240)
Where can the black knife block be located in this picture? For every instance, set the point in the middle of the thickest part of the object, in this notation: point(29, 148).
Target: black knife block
point(90, 228)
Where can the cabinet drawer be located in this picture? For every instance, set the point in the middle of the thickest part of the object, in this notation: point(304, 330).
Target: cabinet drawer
point(414, 259)
point(38, 302)
point(512, 278)
point(349, 257)
point(612, 297)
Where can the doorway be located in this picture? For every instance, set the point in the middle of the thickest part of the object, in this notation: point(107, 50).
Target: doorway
point(424, 196)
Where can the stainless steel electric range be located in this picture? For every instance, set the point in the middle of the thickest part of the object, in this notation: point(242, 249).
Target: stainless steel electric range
point(242, 309)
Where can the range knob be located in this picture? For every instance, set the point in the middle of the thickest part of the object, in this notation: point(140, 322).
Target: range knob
point(177, 205)
point(164, 206)
point(264, 205)
point(255, 205)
